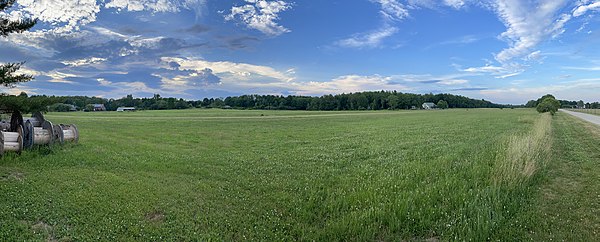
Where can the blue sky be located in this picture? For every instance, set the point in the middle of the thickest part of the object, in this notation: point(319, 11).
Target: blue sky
point(506, 51)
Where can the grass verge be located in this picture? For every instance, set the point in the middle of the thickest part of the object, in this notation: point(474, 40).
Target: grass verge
point(568, 204)
point(525, 154)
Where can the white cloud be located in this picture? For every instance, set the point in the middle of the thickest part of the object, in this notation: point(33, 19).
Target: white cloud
point(61, 81)
point(144, 5)
point(17, 90)
point(124, 88)
point(391, 12)
point(27, 71)
point(581, 10)
point(240, 71)
point(453, 82)
point(528, 24)
point(56, 76)
point(586, 89)
point(455, 3)
point(70, 13)
point(190, 79)
point(103, 82)
point(535, 56)
point(350, 83)
point(361, 83)
point(248, 78)
point(59, 77)
point(370, 40)
point(84, 62)
point(505, 71)
point(261, 15)
point(580, 68)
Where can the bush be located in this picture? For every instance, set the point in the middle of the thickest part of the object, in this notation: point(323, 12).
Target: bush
point(60, 107)
point(548, 104)
point(442, 104)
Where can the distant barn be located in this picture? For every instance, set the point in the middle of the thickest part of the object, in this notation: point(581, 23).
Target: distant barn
point(428, 106)
point(125, 109)
point(99, 107)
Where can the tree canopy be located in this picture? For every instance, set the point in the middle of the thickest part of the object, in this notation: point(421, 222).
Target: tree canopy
point(548, 104)
point(8, 78)
point(353, 101)
point(442, 104)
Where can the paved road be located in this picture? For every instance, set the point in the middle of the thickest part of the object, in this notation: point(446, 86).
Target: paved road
point(595, 119)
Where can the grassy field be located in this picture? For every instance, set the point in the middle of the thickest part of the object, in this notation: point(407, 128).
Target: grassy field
point(284, 175)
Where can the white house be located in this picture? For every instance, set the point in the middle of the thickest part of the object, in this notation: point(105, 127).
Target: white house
point(125, 109)
point(428, 106)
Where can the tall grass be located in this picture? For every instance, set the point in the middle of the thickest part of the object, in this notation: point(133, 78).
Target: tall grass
point(525, 154)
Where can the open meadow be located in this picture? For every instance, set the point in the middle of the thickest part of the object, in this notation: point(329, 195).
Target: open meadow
point(479, 174)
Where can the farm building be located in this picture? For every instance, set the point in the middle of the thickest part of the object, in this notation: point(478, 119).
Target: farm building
point(99, 107)
point(72, 108)
point(428, 106)
point(125, 109)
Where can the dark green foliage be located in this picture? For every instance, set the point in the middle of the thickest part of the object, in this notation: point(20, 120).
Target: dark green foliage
point(7, 26)
point(548, 104)
point(24, 103)
point(353, 101)
point(563, 103)
point(89, 108)
point(60, 107)
point(7, 77)
point(442, 104)
point(393, 101)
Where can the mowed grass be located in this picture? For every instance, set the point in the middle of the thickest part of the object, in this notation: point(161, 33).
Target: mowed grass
point(567, 205)
point(237, 175)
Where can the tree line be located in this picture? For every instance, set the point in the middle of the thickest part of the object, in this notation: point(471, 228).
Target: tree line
point(352, 101)
point(379, 100)
point(566, 104)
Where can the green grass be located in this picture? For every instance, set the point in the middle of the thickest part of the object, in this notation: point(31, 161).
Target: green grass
point(285, 175)
point(566, 206)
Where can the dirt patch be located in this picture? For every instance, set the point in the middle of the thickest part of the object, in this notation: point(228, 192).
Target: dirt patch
point(41, 227)
point(44, 228)
point(65, 239)
point(13, 175)
point(19, 176)
point(155, 217)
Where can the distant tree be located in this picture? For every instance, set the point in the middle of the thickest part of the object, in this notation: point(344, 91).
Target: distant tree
point(393, 101)
point(8, 78)
point(59, 107)
point(88, 108)
point(531, 104)
point(548, 104)
point(580, 104)
point(442, 104)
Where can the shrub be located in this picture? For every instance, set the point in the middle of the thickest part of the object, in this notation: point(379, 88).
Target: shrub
point(548, 104)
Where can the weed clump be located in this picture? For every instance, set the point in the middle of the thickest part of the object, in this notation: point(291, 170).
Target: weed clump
point(525, 154)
